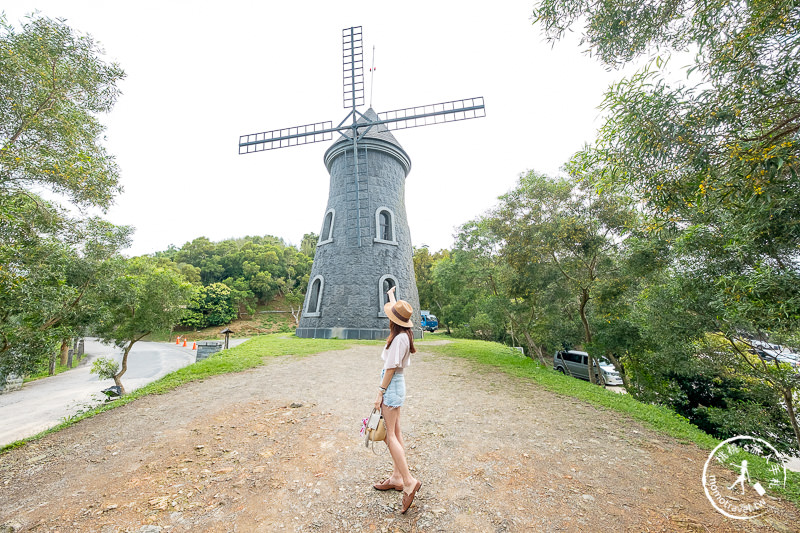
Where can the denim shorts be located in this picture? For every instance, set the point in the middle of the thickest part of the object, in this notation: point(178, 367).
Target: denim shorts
point(395, 393)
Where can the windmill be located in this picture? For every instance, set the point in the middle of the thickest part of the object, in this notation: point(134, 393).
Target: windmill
point(364, 246)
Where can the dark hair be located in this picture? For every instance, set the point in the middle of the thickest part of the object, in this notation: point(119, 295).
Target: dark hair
point(396, 329)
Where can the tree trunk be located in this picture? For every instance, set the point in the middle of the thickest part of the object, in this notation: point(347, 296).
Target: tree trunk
point(439, 313)
point(618, 366)
point(51, 369)
point(514, 341)
point(587, 333)
point(64, 351)
point(296, 314)
point(787, 396)
point(118, 375)
point(533, 347)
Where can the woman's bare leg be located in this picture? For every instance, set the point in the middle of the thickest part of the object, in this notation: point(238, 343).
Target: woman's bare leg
point(396, 478)
point(397, 432)
point(401, 473)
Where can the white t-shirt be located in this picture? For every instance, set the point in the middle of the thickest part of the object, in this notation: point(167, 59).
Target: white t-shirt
point(398, 354)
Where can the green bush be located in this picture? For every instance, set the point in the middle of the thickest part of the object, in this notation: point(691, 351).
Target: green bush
point(105, 367)
point(211, 306)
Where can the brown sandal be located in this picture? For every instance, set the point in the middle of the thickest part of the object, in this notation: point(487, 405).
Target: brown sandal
point(385, 485)
point(408, 499)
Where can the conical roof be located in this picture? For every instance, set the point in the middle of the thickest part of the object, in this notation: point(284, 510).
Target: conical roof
point(377, 137)
point(378, 131)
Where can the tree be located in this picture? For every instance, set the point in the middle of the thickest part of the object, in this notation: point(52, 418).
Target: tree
point(295, 299)
point(713, 159)
point(218, 304)
point(430, 296)
point(145, 298)
point(455, 275)
point(309, 244)
point(53, 86)
point(51, 267)
point(716, 159)
point(565, 224)
point(211, 305)
point(256, 269)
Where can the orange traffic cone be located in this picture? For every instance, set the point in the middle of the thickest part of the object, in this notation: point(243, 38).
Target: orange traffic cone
point(194, 346)
point(178, 340)
point(184, 342)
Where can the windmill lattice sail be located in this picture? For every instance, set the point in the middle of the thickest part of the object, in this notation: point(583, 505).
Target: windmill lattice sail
point(409, 117)
point(352, 67)
point(286, 137)
point(413, 117)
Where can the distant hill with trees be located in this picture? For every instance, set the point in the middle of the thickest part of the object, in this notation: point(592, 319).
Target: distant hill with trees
point(234, 276)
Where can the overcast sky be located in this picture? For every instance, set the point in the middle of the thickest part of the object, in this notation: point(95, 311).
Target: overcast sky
point(200, 74)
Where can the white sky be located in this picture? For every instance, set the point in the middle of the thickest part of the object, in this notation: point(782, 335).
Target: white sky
point(200, 74)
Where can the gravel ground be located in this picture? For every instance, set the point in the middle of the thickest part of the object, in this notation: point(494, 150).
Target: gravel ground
point(277, 448)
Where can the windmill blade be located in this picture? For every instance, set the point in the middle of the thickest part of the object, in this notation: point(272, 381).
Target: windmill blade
point(352, 67)
point(413, 117)
point(283, 138)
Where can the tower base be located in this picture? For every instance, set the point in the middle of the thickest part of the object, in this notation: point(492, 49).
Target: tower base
point(348, 333)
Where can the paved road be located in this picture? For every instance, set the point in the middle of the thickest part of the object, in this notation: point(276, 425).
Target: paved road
point(44, 403)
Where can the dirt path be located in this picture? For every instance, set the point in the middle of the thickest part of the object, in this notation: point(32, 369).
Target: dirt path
point(232, 454)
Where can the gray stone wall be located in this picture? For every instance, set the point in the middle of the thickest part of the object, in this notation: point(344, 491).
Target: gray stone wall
point(10, 383)
point(206, 349)
point(350, 305)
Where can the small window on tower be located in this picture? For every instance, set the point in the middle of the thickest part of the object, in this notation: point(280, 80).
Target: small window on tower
point(326, 235)
point(386, 283)
point(314, 297)
point(384, 226)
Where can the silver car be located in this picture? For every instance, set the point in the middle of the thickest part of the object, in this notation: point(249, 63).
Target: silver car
point(576, 364)
point(781, 356)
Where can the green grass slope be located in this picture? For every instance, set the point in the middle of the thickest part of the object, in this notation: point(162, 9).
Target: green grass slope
point(659, 418)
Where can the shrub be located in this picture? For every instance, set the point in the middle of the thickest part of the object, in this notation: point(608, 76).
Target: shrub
point(105, 367)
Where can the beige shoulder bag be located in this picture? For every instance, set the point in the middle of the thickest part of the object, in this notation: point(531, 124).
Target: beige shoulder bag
point(376, 428)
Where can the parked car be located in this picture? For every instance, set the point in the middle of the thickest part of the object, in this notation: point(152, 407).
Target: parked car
point(792, 359)
point(762, 345)
point(576, 364)
point(429, 321)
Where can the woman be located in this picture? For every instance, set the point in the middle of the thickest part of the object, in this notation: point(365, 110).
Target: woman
point(396, 357)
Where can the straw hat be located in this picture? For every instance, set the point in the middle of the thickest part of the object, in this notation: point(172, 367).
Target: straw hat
point(399, 313)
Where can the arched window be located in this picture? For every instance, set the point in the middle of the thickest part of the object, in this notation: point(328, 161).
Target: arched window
point(314, 297)
point(326, 235)
point(386, 282)
point(384, 226)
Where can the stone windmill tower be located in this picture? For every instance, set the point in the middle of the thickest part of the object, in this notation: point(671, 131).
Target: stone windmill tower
point(365, 245)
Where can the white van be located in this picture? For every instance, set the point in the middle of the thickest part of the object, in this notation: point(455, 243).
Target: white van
point(576, 364)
